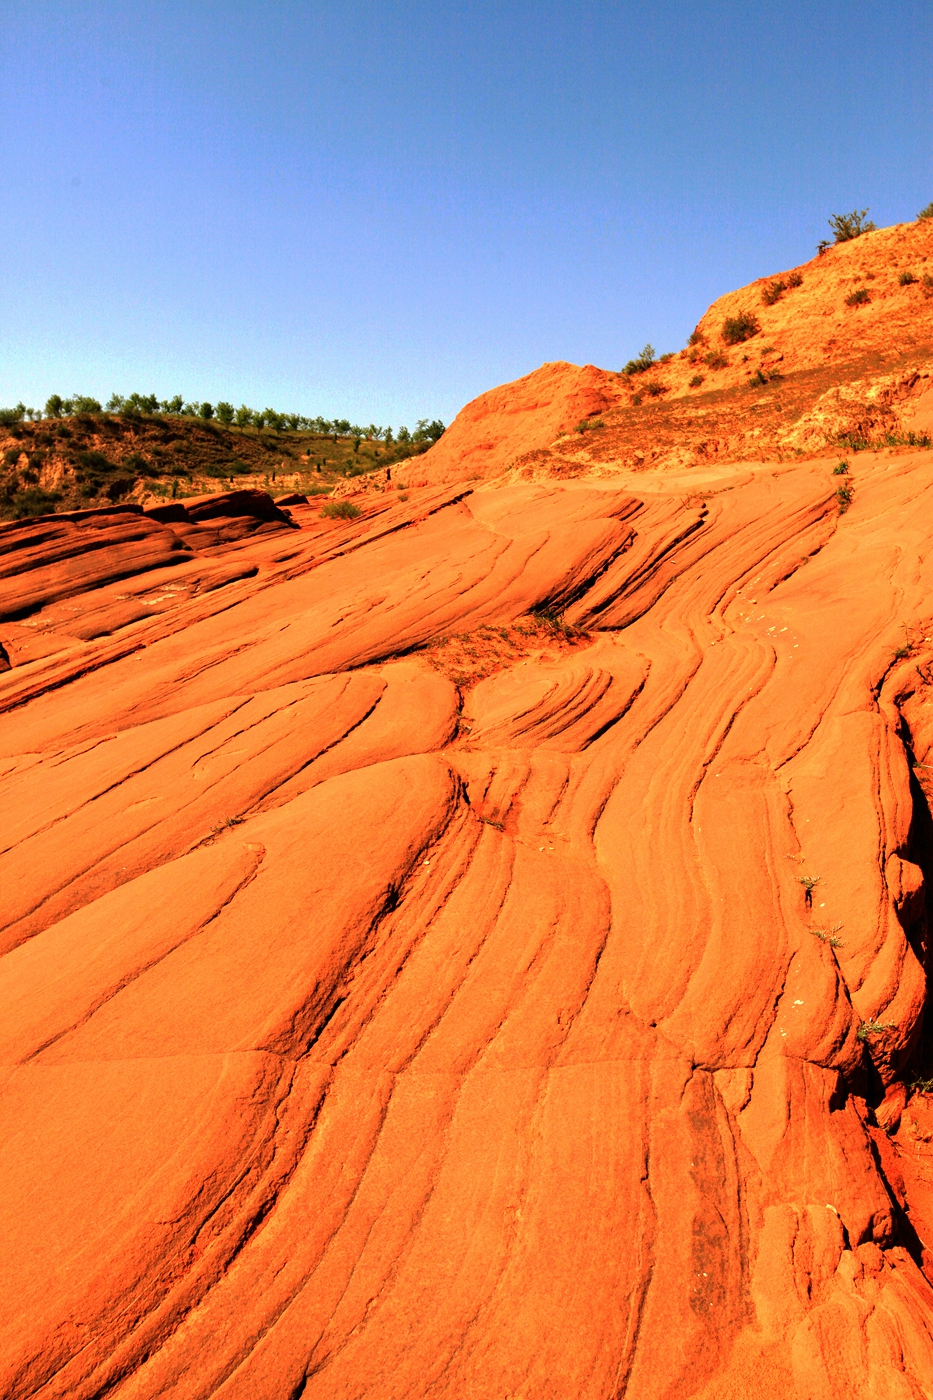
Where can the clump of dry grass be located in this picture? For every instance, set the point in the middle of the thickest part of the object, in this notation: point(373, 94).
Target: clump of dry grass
point(469, 657)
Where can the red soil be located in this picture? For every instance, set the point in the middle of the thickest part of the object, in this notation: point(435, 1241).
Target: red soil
point(473, 950)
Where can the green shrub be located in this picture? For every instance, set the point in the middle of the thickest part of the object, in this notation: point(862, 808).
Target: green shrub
point(736, 329)
point(795, 279)
point(34, 501)
point(843, 497)
point(696, 381)
point(641, 362)
point(926, 213)
point(845, 227)
point(655, 388)
point(859, 297)
point(9, 416)
point(907, 279)
point(666, 358)
point(773, 292)
point(696, 338)
point(841, 470)
point(93, 461)
point(758, 378)
point(715, 360)
point(341, 510)
point(225, 413)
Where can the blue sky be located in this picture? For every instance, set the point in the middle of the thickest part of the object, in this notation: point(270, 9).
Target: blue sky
point(381, 210)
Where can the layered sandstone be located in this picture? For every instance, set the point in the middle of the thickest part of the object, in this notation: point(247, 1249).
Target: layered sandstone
point(479, 948)
point(371, 1034)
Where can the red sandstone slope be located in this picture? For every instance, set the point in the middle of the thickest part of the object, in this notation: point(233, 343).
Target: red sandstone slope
point(516, 418)
point(816, 370)
point(367, 1035)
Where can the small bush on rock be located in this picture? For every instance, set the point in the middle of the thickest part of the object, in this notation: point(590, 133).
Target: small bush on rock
point(341, 510)
point(736, 329)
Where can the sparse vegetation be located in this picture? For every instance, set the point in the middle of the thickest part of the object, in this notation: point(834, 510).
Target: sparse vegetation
point(926, 213)
point(696, 381)
point(809, 883)
point(341, 510)
point(736, 329)
point(654, 388)
point(758, 379)
point(696, 338)
point(828, 935)
point(795, 279)
point(843, 497)
point(773, 292)
point(715, 359)
point(845, 227)
point(842, 469)
point(907, 279)
point(641, 362)
point(868, 1028)
point(859, 297)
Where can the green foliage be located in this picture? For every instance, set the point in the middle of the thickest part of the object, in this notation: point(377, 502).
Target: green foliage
point(53, 406)
point(845, 227)
point(206, 411)
point(715, 360)
point(654, 388)
point(225, 413)
point(9, 416)
point(843, 497)
point(868, 1028)
point(859, 297)
point(736, 329)
point(926, 213)
point(641, 362)
point(696, 381)
point(773, 292)
point(341, 510)
point(907, 279)
point(758, 378)
point(795, 279)
point(841, 470)
point(32, 501)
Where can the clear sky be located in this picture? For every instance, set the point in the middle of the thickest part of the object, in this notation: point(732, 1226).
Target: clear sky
point(379, 210)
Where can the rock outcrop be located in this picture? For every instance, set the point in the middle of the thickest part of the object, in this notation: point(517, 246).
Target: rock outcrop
point(368, 1033)
point(479, 948)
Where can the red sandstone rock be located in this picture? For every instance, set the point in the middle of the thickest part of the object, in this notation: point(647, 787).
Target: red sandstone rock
point(364, 1035)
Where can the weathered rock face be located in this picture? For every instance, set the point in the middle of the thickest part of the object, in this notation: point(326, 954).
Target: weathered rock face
point(364, 1034)
point(513, 419)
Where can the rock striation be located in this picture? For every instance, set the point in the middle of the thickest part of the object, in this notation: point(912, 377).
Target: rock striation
point(478, 948)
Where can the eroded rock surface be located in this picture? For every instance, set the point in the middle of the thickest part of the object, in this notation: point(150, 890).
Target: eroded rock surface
point(368, 1034)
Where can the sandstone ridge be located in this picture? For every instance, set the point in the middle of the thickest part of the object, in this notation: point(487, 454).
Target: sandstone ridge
point(818, 373)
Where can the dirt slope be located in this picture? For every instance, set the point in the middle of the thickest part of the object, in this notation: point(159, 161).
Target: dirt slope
point(817, 375)
point(541, 1034)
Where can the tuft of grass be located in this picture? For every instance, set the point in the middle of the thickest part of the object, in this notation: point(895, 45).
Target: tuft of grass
point(696, 381)
point(809, 883)
point(926, 213)
point(868, 1028)
point(859, 297)
point(907, 279)
point(828, 935)
point(843, 497)
point(715, 360)
point(341, 510)
point(774, 291)
point(758, 378)
point(655, 388)
point(736, 329)
point(795, 279)
point(842, 469)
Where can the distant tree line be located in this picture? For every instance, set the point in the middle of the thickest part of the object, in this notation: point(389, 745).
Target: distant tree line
point(132, 405)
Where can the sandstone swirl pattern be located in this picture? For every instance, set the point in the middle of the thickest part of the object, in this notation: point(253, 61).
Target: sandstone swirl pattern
point(361, 1037)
